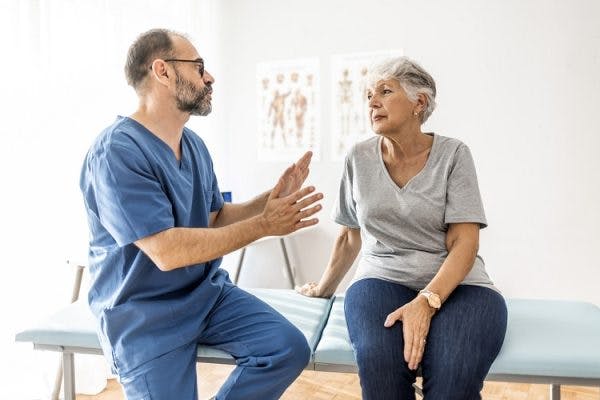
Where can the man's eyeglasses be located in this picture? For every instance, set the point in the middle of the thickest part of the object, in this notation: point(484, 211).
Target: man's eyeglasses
point(198, 61)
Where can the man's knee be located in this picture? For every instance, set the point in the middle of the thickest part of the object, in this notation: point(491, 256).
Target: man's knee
point(300, 351)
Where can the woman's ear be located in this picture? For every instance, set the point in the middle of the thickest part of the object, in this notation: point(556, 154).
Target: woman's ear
point(421, 103)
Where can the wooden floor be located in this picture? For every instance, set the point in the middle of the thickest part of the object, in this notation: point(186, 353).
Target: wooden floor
point(312, 385)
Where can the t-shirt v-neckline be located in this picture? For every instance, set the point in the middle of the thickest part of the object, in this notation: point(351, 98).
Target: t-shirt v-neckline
point(387, 173)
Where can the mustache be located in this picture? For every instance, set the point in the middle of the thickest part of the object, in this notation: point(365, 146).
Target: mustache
point(206, 90)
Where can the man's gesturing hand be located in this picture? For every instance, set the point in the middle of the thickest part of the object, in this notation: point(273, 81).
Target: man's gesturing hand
point(295, 175)
point(286, 214)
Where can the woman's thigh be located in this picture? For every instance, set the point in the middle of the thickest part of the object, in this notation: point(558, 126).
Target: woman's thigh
point(383, 372)
point(464, 338)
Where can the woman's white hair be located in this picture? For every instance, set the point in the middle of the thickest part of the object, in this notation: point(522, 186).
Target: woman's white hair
point(411, 76)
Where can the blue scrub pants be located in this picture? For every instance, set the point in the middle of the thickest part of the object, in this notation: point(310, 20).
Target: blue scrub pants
point(269, 351)
point(465, 337)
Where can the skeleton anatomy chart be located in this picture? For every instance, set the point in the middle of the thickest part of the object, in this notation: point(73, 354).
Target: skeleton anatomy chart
point(288, 109)
point(350, 119)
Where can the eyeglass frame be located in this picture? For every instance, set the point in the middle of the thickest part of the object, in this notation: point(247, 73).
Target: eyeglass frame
point(197, 61)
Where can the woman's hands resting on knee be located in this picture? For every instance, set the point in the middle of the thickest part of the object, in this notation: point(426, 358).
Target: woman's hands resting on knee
point(416, 318)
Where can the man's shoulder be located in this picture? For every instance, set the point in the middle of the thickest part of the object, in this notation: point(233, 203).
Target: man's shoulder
point(121, 134)
point(194, 140)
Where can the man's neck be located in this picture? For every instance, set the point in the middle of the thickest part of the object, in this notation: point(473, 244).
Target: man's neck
point(163, 120)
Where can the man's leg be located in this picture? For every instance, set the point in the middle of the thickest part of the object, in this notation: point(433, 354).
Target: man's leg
point(170, 376)
point(270, 352)
point(464, 339)
point(384, 375)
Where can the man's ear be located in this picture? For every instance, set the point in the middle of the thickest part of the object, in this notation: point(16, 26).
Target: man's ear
point(160, 72)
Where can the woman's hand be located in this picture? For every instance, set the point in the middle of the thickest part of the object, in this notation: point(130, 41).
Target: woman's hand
point(311, 289)
point(416, 317)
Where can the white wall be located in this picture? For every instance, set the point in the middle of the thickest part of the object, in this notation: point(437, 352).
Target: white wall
point(517, 80)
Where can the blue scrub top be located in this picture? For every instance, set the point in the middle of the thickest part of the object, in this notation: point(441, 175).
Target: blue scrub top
point(133, 187)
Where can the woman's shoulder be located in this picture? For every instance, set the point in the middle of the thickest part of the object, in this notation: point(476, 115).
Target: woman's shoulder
point(447, 142)
point(364, 147)
point(451, 146)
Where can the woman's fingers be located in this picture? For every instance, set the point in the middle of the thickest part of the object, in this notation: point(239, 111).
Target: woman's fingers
point(418, 348)
point(391, 319)
point(308, 289)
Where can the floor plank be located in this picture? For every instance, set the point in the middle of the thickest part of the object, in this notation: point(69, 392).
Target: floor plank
point(313, 385)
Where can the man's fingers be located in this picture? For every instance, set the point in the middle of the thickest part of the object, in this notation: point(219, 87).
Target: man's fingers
point(310, 211)
point(304, 161)
point(307, 201)
point(306, 222)
point(277, 189)
point(294, 197)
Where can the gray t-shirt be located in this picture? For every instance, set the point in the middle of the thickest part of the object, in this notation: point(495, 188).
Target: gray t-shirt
point(403, 229)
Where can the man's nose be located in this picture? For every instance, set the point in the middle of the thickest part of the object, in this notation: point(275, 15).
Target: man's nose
point(208, 78)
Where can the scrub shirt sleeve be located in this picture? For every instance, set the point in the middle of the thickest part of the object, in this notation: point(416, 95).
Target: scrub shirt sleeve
point(216, 202)
point(130, 199)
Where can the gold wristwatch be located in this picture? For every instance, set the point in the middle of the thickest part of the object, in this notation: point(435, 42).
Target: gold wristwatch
point(432, 298)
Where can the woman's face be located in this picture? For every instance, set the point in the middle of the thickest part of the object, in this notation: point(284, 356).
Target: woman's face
point(390, 110)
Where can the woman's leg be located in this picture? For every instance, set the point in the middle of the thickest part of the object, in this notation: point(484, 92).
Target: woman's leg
point(464, 339)
point(379, 350)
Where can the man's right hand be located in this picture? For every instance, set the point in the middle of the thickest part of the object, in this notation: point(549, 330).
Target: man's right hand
point(283, 215)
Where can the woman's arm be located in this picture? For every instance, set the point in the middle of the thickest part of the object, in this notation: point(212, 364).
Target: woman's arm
point(346, 248)
point(462, 242)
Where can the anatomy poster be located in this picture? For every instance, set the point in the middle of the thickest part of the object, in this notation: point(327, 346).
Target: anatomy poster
point(288, 109)
point(349, 118)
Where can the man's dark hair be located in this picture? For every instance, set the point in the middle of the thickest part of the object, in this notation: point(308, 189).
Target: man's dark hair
point(156, 43)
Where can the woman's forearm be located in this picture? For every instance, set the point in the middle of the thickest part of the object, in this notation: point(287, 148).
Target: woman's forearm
point(345, 250)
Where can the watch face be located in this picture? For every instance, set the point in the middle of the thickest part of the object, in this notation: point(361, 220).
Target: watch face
point(434, 300)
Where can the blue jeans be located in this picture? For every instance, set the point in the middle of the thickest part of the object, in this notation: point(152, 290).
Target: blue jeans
point(464, 338)
point(269, 351)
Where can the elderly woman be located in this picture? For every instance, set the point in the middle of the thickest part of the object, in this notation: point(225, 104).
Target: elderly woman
point(409, 202)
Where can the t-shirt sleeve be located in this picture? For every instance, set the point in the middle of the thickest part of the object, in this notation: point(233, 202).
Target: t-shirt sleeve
point(130, 199)
point(463, 200)
point(344, 212)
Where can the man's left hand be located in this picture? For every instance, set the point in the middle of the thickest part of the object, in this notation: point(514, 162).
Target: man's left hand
point(295, 175)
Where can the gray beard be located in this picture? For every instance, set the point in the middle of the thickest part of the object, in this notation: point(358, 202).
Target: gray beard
point(190, 100)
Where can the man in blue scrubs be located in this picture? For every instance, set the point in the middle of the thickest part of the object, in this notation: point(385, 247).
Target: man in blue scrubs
point(159, 228)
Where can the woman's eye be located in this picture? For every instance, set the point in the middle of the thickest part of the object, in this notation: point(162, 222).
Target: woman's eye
point(387, 91)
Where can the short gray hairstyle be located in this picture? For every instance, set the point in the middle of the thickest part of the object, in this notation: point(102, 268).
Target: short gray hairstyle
point(411, 76)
